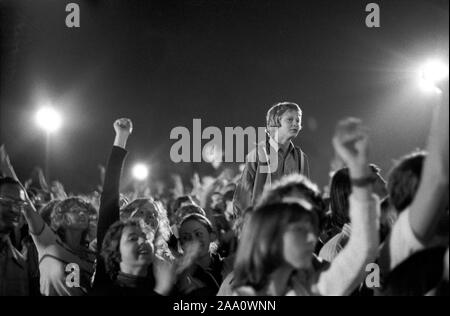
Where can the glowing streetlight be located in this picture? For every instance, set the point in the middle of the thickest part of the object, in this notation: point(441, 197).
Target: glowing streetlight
point(48, 119)
point(431, 73)
point(140, 172)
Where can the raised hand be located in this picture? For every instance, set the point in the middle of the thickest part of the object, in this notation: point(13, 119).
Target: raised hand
point(42, 181)
point(165, 276)
point(351, 143)
point(123, 128)
point(5, 164)
point(58, 191)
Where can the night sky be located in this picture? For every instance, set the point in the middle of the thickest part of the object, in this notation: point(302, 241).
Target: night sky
point(164, 63)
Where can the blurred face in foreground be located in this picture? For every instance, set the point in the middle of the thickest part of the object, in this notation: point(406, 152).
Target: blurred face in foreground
point(299, 242)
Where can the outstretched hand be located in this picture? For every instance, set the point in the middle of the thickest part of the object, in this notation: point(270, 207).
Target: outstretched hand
point(165, 276)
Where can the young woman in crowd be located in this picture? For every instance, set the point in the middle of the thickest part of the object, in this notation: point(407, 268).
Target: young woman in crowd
point(64, 242)
point(155, 216)
point(126, 257)
point(340, 190)
point(204, 276)
point(61, 237)
point(275, 256)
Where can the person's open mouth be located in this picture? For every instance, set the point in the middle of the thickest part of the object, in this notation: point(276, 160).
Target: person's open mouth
point(143, 251)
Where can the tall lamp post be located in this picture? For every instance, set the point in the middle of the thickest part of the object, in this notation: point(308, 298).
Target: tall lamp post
point(50, 121)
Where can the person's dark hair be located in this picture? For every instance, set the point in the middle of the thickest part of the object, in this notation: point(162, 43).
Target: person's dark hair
point(111, 246)
point(180, 201)
point(238, 224)
point(260, 249)
point(387, 219)
point(340, 191)
point(228, 195)
point(199, 218)
point(404, 179)
point(187, 210)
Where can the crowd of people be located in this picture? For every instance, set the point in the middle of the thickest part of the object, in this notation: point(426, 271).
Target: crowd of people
point(269, 231)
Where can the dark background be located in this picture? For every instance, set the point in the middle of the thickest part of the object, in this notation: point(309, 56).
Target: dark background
point(163, 63)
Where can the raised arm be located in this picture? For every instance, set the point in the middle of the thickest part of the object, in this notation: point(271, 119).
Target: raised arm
point(109, 202)
point(431, 199)
point(5, 165)
point(347, 271)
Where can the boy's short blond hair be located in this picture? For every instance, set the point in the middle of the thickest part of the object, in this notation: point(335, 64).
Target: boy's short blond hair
point(276, 111)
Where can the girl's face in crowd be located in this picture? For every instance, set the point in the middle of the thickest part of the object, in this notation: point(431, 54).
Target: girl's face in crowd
point(77, 217)
point(299, 242)
point(135, 249)
point(290, 125)
point(194, 231)
point(148, 214)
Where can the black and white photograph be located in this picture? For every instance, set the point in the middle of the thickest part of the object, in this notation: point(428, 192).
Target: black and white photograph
point(218, 155)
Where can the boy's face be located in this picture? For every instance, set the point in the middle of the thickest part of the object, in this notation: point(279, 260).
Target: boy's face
point(291, 123)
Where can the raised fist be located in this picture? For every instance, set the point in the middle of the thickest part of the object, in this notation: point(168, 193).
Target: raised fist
point(123, 126)
point(351, 142)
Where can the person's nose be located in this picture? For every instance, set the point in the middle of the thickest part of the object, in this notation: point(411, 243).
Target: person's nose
point(141, 240)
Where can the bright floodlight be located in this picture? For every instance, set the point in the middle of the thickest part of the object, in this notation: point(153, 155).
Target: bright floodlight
point(48, 119)
point(431, 73)
point(140, 172)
